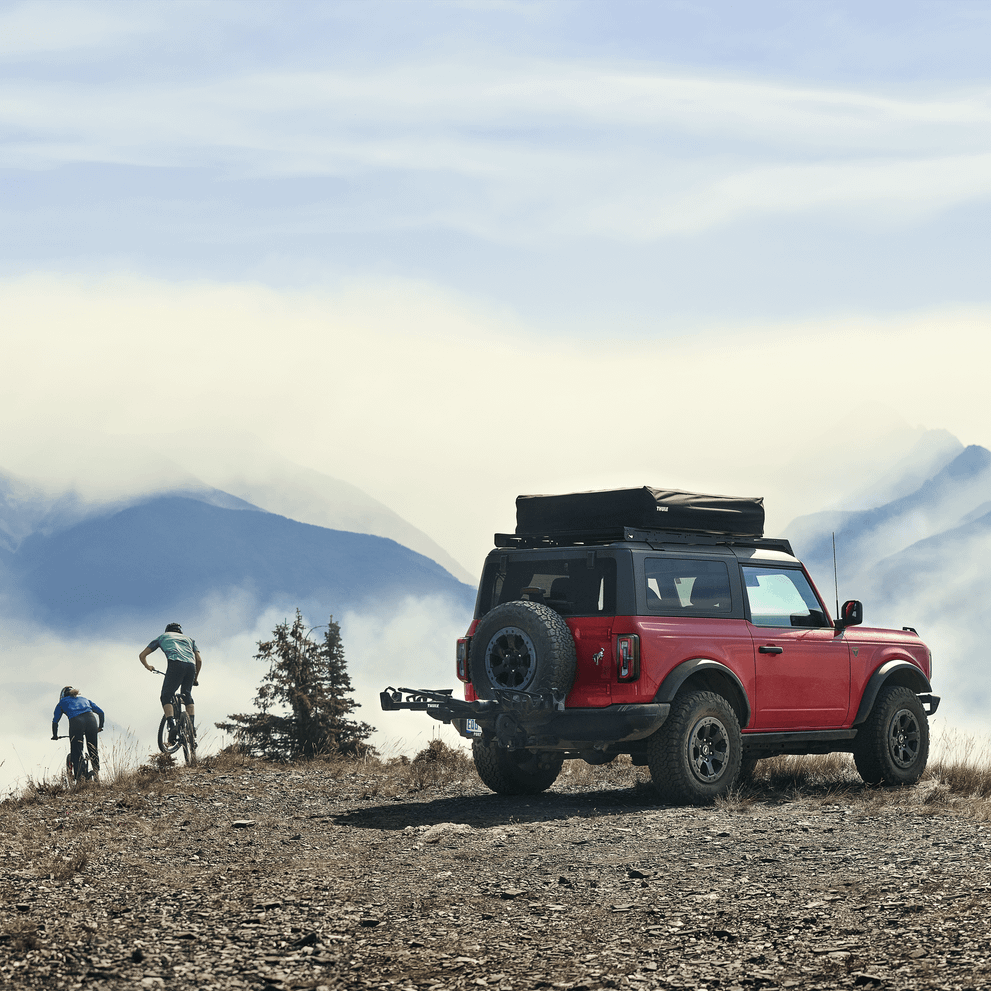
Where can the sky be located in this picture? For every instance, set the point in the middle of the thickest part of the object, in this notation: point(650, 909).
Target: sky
point(454, 252)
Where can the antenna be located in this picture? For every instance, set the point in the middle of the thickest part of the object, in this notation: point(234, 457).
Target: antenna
point(836, 584)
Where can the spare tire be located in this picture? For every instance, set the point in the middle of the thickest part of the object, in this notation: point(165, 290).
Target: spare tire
point(522, 646)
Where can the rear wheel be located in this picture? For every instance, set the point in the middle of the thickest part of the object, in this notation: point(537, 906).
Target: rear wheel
point(695, 756)
point(163, 738)
point(893, 744)
point(515, 772)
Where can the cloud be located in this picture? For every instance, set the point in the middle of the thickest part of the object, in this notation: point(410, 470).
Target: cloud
point(35, 28)
point(444, 410)
point(517, 150)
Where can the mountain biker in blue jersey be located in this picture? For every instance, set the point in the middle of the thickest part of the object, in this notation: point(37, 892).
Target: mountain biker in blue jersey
point(83, 724)
point(182, 672)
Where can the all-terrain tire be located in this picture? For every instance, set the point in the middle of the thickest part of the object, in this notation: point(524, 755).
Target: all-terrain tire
point(522, 646)
point(893, 744)
point(186, 738)
point(515, 772)
point(163, 738)
point(694, 758)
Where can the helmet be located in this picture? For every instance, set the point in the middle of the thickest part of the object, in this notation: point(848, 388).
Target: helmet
point(173, 628)
point(68, 690)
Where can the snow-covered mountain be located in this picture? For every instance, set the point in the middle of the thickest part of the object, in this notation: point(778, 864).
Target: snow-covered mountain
point(923, 560)
point(67, 564)
point(956, 491)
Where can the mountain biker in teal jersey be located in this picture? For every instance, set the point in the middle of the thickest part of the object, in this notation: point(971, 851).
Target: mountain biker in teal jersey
point(182, 672)
point(85, 721)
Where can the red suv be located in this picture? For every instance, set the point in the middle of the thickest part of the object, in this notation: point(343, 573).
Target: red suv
point(697, 647)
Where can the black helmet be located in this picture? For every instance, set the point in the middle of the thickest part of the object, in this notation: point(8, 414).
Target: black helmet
point(68, 690)
point(173, 628)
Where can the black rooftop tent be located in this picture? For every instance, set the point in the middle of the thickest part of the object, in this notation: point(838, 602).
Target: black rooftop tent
point(649, 508)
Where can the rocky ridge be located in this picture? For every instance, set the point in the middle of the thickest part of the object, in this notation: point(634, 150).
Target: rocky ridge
point(243, 875)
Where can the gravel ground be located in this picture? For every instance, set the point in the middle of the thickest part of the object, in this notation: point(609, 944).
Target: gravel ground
point(240, 874)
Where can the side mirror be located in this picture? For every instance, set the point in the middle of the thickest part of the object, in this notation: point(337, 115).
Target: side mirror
point(852, 614)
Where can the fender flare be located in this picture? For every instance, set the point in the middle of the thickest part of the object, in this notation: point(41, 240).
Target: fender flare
point(891, 672)
point(706, 667)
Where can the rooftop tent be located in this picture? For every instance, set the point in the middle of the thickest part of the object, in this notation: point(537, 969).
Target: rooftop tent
point(647, 508)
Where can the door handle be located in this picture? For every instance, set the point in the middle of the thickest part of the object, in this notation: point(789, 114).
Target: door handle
point(770, 650)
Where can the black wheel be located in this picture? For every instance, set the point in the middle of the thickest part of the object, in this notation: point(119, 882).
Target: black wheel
point(68, 777)
point(522, 646)
point(893, 744)
point(515, 772)
point(163, 738)
point(695, 756)
point(185, 737)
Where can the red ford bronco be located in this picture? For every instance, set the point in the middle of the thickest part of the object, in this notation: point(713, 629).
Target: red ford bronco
point(663, 624)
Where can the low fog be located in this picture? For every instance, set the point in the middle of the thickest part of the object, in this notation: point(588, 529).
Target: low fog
point(409, 642)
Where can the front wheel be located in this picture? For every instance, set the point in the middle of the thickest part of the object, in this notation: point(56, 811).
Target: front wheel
point(515, 772)
point(186, 738)
point(893, 744)
point(695, 756)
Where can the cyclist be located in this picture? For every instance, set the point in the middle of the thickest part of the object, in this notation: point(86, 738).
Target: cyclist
point(182, 673)
point(83, 724)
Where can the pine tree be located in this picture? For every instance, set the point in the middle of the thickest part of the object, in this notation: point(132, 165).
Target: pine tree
point(304, 699)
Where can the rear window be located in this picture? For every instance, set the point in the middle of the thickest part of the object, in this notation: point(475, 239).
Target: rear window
point(681, 587)
point(567, 585)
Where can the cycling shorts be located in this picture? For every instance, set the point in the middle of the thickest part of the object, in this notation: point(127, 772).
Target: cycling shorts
point(179, 677)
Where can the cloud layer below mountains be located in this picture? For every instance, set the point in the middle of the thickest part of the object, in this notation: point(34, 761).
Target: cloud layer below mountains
point(409, 642)
point(444, 411)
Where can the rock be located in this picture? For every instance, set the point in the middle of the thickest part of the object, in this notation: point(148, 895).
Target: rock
point(436, 833)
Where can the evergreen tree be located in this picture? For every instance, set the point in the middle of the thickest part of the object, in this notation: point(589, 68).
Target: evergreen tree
point(304, 699)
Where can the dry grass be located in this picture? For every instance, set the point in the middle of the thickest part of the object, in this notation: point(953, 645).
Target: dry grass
point(959, 773)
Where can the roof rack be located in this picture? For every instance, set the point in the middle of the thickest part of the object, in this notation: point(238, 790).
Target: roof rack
point(572, 538)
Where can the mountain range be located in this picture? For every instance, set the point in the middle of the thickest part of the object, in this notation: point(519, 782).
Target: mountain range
point(69, 565)
point(919, 560)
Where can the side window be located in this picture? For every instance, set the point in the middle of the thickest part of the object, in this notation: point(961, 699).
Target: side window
point(782, 597)
point(681, 587)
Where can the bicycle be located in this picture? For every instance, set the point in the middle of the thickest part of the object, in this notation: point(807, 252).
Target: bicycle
point(86, 772)
point(185, 735)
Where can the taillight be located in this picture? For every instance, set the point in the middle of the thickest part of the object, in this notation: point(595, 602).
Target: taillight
point(628, 657)
point(462, 656)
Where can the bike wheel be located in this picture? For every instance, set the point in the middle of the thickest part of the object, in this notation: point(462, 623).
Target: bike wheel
point(163, 737)
point(185, 737)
